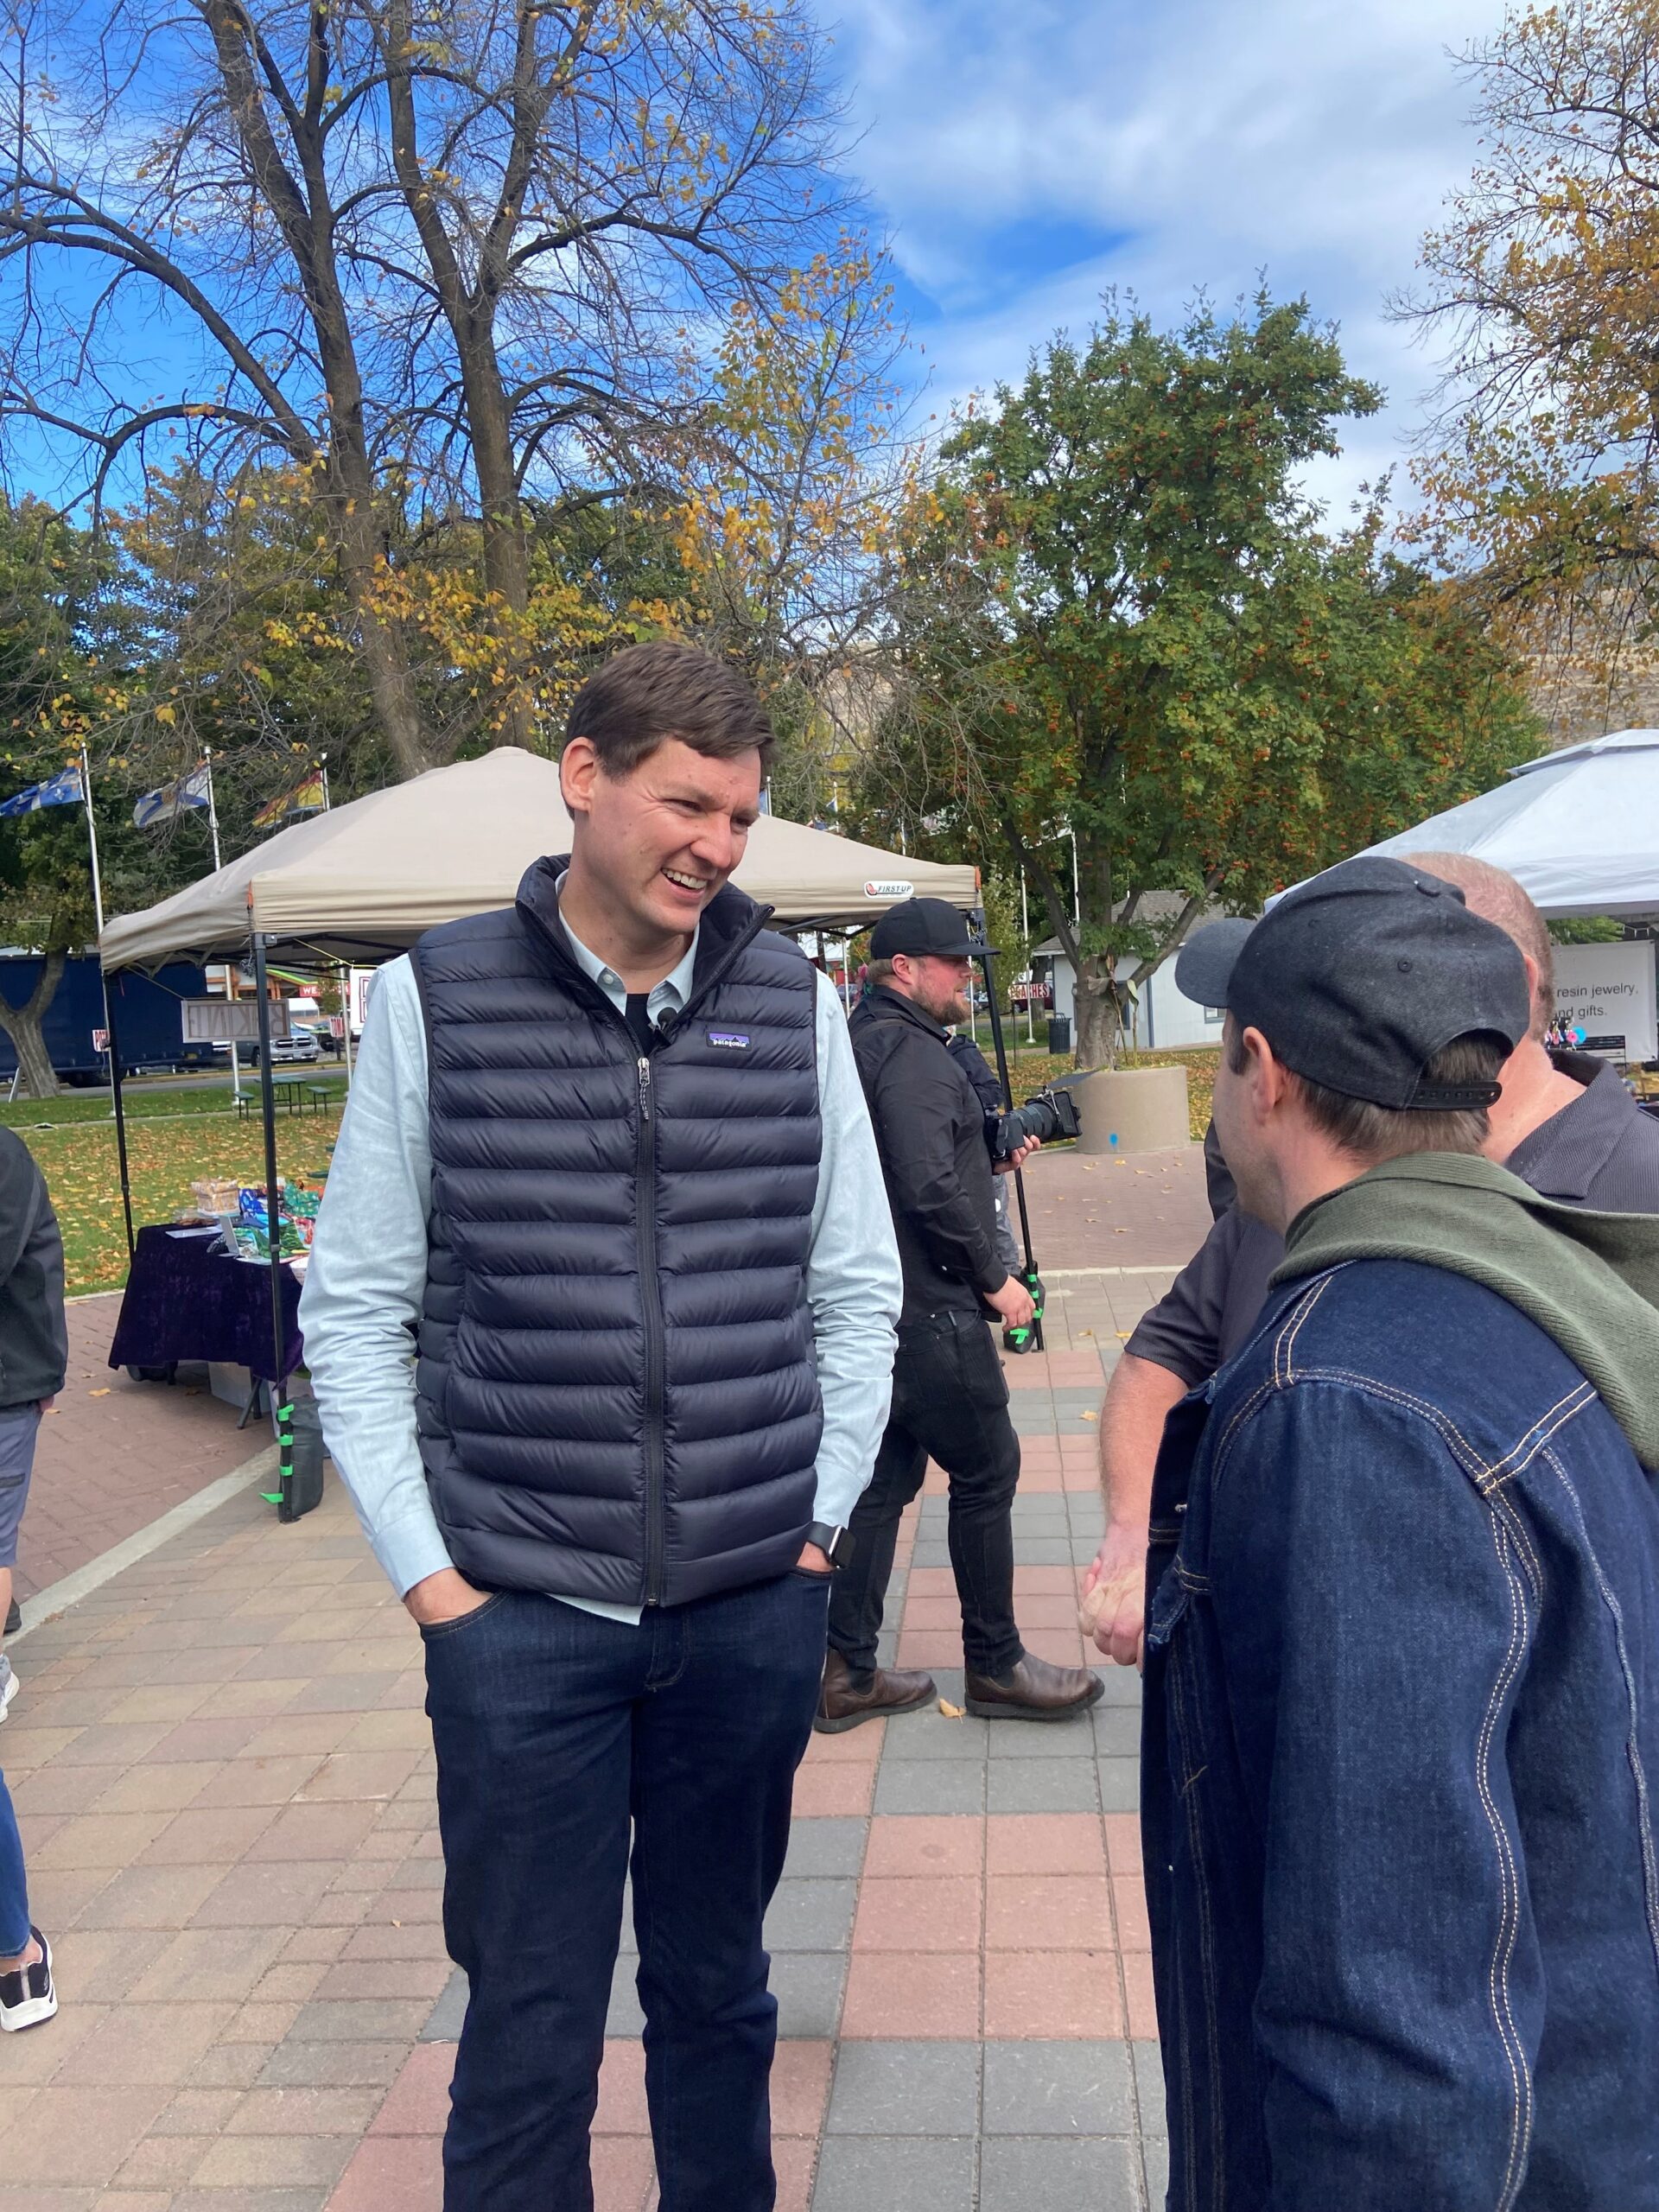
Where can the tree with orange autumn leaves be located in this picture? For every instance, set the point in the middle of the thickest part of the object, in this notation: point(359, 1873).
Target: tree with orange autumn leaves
point(1541, 479)
point(449, 281)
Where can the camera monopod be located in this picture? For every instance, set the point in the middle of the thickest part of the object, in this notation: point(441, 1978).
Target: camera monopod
point(1029, 1339)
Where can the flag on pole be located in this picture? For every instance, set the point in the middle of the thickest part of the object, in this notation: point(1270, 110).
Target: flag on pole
point(174, 798)
point(62, 790)
point(307, 797)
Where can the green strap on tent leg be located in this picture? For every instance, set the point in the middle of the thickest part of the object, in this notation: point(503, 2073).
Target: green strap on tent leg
point(284, 1488)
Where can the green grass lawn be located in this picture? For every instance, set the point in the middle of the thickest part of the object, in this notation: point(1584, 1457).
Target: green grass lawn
point(145, 1098)
point(176, 1136)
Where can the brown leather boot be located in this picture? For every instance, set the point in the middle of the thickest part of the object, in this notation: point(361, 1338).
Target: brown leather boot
point(842, 1705)
point(1033, 1689)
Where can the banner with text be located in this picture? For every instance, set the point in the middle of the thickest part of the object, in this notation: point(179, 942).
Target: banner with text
point(1607, 991)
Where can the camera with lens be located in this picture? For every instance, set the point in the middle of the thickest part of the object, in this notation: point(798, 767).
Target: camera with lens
point(1050, 1116)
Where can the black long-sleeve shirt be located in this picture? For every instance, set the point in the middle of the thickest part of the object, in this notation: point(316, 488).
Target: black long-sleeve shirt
point(929, 1131)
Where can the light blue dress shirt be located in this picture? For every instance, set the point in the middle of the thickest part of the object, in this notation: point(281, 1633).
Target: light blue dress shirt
point(366, 1277)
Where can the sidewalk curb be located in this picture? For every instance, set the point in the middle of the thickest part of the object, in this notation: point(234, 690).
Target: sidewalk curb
point(1076, 1275)
point(58, 1597)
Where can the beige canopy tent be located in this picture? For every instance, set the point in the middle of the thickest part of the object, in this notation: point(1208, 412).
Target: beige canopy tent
point(362, 881)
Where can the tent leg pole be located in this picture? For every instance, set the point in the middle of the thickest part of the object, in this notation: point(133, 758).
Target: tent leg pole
point(1000, 1049)
point(344, 975)
point(119, 1106)
point(273, 1222)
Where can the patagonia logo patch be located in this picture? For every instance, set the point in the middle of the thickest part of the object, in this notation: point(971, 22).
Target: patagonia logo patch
point(734, 1040)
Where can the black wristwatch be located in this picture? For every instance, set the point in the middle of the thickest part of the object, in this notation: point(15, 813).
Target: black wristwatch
point(829, 1539)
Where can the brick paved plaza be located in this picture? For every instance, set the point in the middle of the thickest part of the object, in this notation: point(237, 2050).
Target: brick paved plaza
point(225, 1780)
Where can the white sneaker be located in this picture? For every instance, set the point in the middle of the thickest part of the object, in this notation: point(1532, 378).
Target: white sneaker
point(8, 1684)
point(27, 1997)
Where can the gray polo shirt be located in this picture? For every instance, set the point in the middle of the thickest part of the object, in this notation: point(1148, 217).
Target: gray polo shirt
point(1600, 1151)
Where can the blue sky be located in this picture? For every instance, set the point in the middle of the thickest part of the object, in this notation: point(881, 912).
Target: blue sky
point(1025, 156)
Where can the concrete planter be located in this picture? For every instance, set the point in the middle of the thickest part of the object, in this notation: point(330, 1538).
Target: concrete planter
point(1133, 1109)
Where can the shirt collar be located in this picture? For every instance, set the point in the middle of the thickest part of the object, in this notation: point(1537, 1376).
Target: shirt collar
point(908, 1007)
point(671, 993)
point(1563, 1156)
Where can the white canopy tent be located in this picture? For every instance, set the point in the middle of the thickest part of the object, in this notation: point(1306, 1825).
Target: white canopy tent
point(365, 880)
point(1579, 829)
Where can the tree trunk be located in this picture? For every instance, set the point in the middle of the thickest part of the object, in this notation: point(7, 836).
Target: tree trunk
point(506, 557)
point(386, 652)
point(1099, 1030)
point(23, 1025)
point(1100, 1033)
point(307, 217)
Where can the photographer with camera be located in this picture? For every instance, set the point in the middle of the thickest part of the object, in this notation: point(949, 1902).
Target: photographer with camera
point(949, 1401)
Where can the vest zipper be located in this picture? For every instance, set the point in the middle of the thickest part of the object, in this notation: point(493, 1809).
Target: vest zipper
point(644, 1195)
point(645, 1207)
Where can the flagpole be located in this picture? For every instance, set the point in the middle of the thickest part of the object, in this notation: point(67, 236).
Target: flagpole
point(111, 1043)
point(213, 811)
point(343, 972)
point(92, 838)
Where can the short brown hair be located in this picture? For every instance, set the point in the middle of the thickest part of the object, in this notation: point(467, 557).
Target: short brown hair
point(648, 694)
point(1376, 1133)
point(1493, 894)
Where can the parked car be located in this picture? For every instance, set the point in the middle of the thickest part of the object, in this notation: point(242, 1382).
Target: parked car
point(300, 1048)
point(300, 1044)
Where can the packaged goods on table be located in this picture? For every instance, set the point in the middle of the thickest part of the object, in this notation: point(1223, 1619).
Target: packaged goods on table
point(248, 1230)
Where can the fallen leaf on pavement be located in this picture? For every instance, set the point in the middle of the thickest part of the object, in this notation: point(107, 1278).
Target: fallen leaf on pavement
point(952, 1712)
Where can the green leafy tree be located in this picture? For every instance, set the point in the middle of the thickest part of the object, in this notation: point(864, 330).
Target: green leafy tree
point(1117, 621)
point(50, 581)
point(72, 638)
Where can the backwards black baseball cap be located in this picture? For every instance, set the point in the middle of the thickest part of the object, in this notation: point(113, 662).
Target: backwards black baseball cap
point(1359, 978)
point(922, 926)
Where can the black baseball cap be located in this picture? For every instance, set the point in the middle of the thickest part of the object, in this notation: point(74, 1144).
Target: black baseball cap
point(925, 925)
point(1358, 978)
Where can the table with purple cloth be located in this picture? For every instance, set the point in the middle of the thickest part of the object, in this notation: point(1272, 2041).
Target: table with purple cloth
point(188, 1299)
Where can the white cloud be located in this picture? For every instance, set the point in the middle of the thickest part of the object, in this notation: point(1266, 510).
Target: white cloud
point(1027, 157)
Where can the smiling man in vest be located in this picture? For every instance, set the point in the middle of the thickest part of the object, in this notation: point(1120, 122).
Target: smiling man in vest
point(601, 1317)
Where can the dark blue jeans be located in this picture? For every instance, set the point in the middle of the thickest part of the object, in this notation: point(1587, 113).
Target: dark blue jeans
point(555, 1731)
point(14, 1890)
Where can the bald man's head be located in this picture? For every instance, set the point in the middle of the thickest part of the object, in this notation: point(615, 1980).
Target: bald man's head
point(1496, 897)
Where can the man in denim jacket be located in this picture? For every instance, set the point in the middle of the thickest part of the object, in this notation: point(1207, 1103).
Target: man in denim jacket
point(1402, 1721)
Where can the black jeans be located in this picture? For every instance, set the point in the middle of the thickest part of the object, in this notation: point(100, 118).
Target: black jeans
point(555, 1729)
point(950, 1404)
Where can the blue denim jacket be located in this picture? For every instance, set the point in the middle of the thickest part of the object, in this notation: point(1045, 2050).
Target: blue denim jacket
point(1401, 1749)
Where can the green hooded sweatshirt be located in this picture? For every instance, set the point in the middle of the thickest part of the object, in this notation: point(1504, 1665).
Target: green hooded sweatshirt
point(1590, 1281)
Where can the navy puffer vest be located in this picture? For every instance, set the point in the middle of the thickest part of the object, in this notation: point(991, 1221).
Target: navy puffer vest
point(616, 1387)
